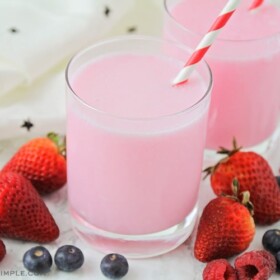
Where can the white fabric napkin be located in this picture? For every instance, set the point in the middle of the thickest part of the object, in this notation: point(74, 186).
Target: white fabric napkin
point(37, 34)
point(37, 39)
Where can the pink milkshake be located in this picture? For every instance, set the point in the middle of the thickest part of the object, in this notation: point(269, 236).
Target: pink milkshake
point(135, 144)
point(245, 60)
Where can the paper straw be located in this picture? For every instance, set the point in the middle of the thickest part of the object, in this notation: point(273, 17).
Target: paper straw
point(256, 4)
point(206, 41)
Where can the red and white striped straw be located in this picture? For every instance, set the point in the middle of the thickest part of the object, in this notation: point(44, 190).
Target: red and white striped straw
point(206, 41)
point(256, 4)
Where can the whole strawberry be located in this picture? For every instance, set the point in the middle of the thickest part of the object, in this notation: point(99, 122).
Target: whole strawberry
point(226, 228)
point(2, 250)
point(23, 213)
point(42, 161)
point(254, 175)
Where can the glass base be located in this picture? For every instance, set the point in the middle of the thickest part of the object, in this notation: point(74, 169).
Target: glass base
point(269, 149)
point(135, 246)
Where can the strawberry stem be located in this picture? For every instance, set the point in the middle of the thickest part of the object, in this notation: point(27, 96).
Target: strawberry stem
point(223, 151)
point(246, 202)
point(245, 196)
point(59, 141)
point(235, 187)
point(235, 190)
point(208, 171)
point(229, 152)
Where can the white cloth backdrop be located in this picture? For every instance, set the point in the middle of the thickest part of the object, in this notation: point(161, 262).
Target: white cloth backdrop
point(37, 39)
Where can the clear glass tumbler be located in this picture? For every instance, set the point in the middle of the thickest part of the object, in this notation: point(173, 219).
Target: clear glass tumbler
point(246, 93)
point(134, 145)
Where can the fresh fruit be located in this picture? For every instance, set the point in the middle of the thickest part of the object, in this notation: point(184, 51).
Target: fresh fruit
point(37, 260)
point(254, 175)
point(256, 265)
point(2, 250)
point(114, 266)
point(278, 180)
point(226, 227)
point(23, 213)
point(277, 258)
point(219, 269)
point(68, 258)
point(271, 240)
point(42, 161)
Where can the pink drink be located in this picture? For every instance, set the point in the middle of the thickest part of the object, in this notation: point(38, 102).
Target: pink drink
point(133, 179)
point(245, 61)
point(135, 143)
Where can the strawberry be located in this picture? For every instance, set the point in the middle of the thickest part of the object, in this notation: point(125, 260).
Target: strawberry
point(42, 161)
point(23, 213)
point(254, 175)
point(2, 250)
point(226, 227)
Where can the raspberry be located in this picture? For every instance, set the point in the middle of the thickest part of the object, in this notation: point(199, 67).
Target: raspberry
point(272, 263)
point(255, 265)
point(219, 269)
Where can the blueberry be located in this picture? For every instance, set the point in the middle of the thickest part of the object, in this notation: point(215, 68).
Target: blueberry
point(114, 266)
point(271, 240)
point(277, 257)
point(37, 259)
point(278, 180)
point(68, 258)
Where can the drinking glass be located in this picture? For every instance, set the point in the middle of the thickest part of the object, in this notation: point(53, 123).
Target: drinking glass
point(134, 145)
point(246, 93)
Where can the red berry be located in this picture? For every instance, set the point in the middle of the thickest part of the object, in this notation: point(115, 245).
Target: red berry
point(226, 228)
point(254, 175)
point(2, 250)
point(219, 269)
point(255, 265)
point(23, 213)
point(42, 161)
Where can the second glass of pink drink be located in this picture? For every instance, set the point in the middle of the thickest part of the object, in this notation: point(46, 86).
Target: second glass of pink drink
point(245, 61)
point(135, 145)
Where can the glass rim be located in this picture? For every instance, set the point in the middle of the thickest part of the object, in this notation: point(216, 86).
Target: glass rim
point(135, 38)
point(223, 40)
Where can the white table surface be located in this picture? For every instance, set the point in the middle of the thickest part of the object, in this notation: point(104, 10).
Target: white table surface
point(178, 264)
